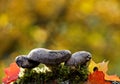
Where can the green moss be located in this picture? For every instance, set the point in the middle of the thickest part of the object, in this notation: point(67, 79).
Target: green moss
point(59, 73)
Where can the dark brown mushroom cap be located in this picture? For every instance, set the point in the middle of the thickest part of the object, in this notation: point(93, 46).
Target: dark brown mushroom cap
point(24, 62)
point(49, 57)
point(79, 58)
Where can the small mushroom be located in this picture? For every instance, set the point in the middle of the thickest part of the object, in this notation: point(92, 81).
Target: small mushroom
point(49, 57)
point(24, 62)
point(79, 58)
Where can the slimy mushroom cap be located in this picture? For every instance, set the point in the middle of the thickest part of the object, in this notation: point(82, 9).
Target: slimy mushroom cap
point(50, 57)
point(79, 58)
point(24, 62)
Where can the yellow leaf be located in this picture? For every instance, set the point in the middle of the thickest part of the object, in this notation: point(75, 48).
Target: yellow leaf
point(103, 66)
point(91, 66)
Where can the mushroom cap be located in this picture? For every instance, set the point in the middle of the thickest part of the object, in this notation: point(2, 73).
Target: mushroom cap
point(49, 57)
point(77, 58)
point(24, 62)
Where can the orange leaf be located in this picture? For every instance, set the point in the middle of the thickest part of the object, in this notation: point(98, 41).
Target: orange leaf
point(97, 77)
point(103, 66)
point(112, 77)
point(11, 73)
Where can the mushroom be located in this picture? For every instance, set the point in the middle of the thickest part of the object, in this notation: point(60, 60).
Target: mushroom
point(24, 62)
point(45, 56)
point(49, 57)
point(79, 58)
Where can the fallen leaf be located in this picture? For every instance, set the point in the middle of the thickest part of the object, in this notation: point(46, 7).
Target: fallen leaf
point(103, 66)
point(11, 73)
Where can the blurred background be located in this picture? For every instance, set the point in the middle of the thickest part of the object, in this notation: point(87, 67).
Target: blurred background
point(91, 25)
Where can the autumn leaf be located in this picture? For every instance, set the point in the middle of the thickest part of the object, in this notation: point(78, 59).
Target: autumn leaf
point(11, 73)
point(103, 66)
point(97, 77)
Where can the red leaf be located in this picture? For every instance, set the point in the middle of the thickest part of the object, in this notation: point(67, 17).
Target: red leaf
point(11, 73)
point(103, 66)
point(97, 77)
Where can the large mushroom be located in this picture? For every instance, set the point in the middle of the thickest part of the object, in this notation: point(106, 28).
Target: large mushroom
point(79, 58)
point(49, 57)
point(45, 56)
